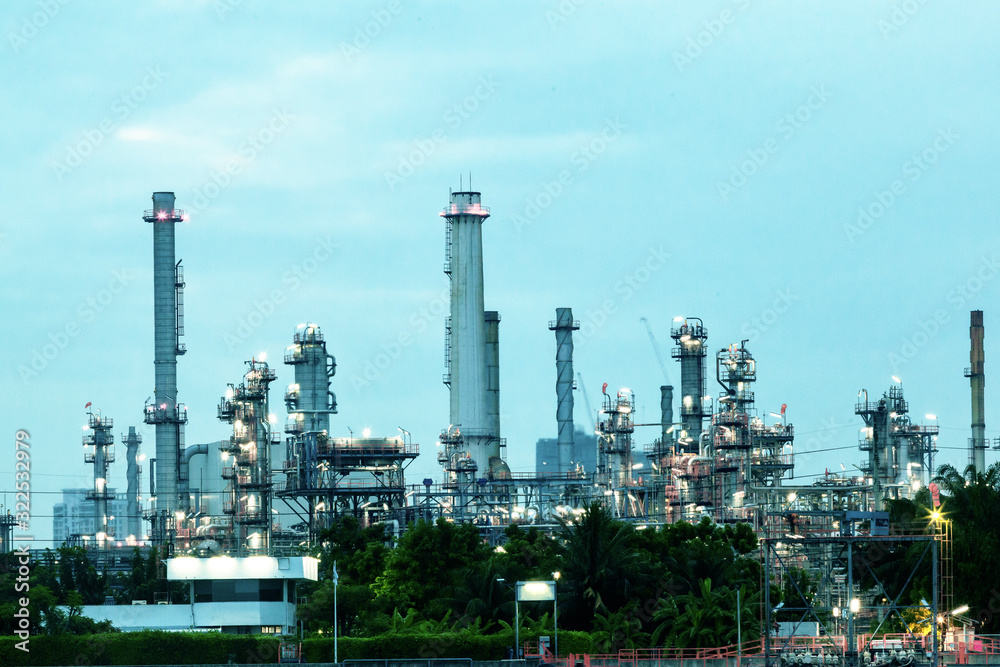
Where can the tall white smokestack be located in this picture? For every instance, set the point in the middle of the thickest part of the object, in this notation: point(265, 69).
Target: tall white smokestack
point(470, 410)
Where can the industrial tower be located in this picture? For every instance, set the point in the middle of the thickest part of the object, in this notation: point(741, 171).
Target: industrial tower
point(690, 335)
point(247, 459)
point(471, 444)
point(900, 453)
point(614, 480)
point(162, 409)
point(564, 325)
point(326, 477)
point(99, 444)
point(309, 400)
point(736, 372)
point(977, 382)
point(133, 474)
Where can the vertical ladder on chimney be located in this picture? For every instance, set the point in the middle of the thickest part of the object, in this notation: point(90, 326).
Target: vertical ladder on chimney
point(447, 322)
point(179, 307)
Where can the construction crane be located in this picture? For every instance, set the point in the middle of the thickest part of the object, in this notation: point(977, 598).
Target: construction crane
point(656, 350)
point(586, 400)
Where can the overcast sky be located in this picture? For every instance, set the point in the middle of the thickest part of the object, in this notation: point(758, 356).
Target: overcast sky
point(817, 177)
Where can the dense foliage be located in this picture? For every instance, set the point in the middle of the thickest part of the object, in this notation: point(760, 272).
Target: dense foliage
point(618, 586)
point(970, 504)
point(141, 648)
point(673, 586)
point(62, 581)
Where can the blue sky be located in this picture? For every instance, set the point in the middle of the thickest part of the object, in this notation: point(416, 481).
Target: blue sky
point(831, 161)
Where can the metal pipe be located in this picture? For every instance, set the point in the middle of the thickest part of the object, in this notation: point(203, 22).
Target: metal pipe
point(666, 412)
point(564, 326)
point(183, 474)
point(695, 459)
point(492, 322)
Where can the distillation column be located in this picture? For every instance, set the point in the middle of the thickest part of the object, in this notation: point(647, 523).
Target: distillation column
point(98, 436)
point(246, 407)
point(564, 326)
point(162, 410)
point(309, 400)
point(690, 335)
point(977, 380)
point(132, 473)
point(467, 353)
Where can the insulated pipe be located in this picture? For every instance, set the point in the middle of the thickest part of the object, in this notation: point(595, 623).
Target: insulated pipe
point(696, 459)
point(183, 476)
point(666, 412)
point(492, 320)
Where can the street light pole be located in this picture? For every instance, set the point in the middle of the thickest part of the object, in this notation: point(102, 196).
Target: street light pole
point(555, 610)
point(336, 578)
point(739, 631)
point(517, 626)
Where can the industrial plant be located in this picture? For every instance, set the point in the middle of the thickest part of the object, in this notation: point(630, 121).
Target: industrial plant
point(712, 454)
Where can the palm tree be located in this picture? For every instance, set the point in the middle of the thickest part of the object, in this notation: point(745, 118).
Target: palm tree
point(480, 596)
point(707, 618)
point(622, 629)
point(971, 504)
point(601, 568)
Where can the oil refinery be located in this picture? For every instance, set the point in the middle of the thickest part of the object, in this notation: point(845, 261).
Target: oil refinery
point(721, 459)
point(713, 453)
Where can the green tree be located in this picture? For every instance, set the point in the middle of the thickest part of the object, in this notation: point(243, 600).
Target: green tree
point(707, 618)
point(619, 630)
point(971, 502)
point(602, 567)
point(430, 558)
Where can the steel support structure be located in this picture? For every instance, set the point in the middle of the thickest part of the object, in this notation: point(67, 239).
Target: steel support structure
point(852, 554)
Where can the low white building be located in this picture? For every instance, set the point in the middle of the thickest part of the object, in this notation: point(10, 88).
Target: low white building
point(254, 595)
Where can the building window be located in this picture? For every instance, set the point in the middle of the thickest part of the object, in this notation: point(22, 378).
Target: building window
point(238, 590)
point(270, 590)
point(203, 591)
point(270, 630)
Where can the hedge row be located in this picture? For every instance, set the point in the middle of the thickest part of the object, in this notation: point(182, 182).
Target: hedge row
point(191, 648)
point(140, 648)
point(424, 646)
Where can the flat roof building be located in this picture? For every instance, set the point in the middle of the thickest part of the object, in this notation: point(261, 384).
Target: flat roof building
point(253, 595)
